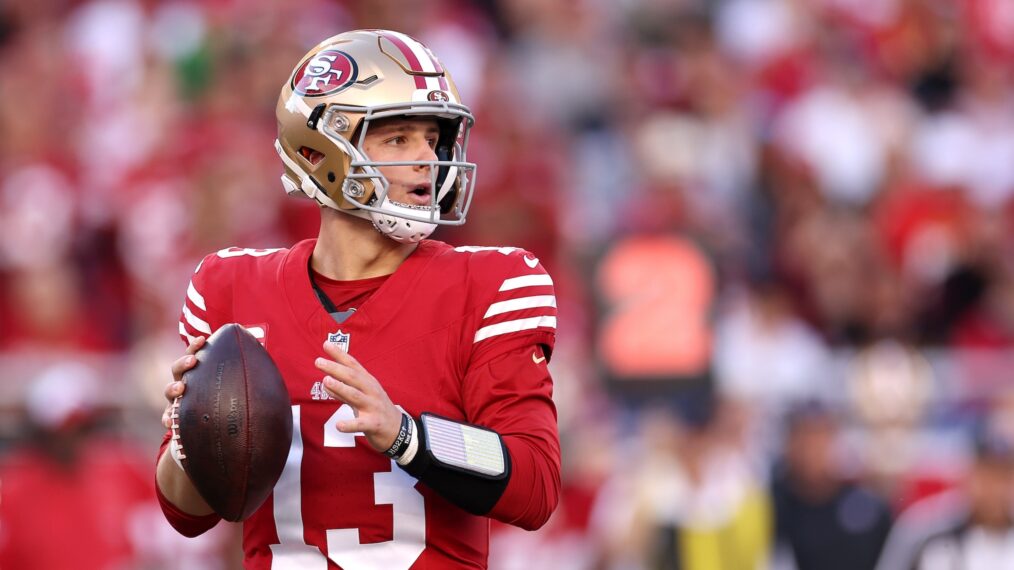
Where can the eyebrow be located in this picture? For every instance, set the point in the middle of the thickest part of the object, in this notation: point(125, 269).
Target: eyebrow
point(403, 127)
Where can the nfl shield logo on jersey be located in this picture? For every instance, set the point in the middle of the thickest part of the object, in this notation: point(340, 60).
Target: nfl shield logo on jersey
point(339, 338)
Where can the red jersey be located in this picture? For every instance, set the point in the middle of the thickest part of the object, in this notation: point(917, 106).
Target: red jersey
point(460, 332)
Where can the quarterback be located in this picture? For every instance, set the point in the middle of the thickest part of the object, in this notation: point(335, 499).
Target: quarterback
point(422, 404)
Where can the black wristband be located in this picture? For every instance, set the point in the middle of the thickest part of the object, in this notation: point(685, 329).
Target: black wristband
point(400, 444)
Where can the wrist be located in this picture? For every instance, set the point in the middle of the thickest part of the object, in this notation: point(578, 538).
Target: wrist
point(412, 448)
point(403, 437)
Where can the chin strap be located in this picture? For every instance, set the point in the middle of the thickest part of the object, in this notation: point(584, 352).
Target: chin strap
point(398, 228)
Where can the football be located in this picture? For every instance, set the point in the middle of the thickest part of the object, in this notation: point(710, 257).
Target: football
point(234, 423)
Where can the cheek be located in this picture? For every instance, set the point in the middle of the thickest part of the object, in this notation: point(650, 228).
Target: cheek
point(382, 153)
point(374, 151)
point(396, 174)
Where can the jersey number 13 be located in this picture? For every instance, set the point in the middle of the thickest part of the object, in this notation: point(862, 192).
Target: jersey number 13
point(394, 487)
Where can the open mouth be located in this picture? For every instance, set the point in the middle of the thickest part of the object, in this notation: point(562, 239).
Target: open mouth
point(418, 197)
point(420, 194)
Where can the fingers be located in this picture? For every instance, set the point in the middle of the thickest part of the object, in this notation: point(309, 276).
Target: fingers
point(196, 345)
point(183, 364)
point(370, 426)
point(354, 425)
point(348, 381)
point(188, 360)
point(344, 392)
point(336, 369)
point(357, 377)
point(175, 388)
point(342, 357)
point(380, 426)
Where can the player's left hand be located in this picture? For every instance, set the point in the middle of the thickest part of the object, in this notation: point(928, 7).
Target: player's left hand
point(375, 415)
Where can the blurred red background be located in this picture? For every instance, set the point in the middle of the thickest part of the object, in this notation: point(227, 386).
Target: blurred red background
point(758, 213)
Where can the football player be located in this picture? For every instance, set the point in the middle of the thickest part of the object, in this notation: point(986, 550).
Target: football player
point(422, 404)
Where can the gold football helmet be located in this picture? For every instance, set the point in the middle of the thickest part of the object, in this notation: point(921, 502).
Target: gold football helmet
point(324, 112)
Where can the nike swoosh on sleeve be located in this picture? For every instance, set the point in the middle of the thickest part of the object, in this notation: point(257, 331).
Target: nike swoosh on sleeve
point(531, 261)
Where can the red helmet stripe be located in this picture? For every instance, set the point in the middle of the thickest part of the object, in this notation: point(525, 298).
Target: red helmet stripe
point(413, 61)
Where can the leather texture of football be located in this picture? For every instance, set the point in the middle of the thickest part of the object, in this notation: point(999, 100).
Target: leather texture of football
point(235, 423)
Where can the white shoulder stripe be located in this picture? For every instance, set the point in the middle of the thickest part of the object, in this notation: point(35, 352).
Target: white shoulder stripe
point(519, 304)
point(514, 326)
point(195, 322)
point(526, 281)
point(196, 297)
point(186, 335)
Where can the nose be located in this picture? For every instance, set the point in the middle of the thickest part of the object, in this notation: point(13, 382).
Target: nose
point(425, 152)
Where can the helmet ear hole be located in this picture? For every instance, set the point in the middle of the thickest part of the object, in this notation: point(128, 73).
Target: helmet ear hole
point(311, 155)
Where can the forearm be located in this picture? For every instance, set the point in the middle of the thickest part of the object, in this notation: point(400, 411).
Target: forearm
point(533, 492)
point(512, 396)
point(177, 488)
point(524, 496)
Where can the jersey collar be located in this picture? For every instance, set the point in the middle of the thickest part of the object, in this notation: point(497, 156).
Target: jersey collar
point(378, 312)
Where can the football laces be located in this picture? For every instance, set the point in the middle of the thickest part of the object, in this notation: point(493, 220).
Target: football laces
point(175, 443)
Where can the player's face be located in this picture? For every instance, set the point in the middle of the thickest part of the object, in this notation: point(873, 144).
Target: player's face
point(404, 139)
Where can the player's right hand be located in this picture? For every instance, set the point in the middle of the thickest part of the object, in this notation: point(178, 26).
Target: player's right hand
point(175, 388)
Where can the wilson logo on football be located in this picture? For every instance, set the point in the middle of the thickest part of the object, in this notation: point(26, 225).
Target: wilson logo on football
point(330, 71)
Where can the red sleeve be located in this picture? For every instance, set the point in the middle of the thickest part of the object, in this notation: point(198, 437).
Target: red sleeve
point(186, 524)
point(199, 317)
point(515, 306)
point(206, 303)
point(513, 395)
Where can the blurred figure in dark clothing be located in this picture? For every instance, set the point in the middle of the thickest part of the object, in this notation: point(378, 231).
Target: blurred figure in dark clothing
point(823, 521)
point(971, 528)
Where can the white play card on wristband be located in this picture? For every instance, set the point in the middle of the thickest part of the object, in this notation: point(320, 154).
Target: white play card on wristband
point(463, 446)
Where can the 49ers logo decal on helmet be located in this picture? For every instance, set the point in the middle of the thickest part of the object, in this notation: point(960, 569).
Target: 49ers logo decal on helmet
point(327, 72)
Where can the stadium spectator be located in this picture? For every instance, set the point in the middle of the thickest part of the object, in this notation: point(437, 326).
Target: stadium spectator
point(688, 500)
point(823, 520)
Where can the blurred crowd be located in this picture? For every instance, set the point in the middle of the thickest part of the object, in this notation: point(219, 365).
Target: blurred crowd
point(780, 232)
